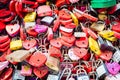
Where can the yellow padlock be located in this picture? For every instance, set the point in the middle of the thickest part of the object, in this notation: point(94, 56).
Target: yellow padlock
point(108, 34)
point(15, 44)
point(94, 46)
point(30, 17)
point(102, 17)
point(74, 18)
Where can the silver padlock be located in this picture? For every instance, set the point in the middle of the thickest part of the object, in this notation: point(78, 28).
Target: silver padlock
point(116, 56)
point(82, 75)
point(53, 77)
point(101, 69)
point(17, 75)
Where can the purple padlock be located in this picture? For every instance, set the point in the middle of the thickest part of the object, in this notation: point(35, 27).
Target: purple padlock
point(40, 28)
point(113, 68)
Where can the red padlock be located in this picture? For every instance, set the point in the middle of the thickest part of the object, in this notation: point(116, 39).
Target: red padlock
point(70, 39)
point(32, 32)
point(4, 38)
point(66, 22)
point(6, 74)
point(92, 34)
point(56, 43)
point(56, 24)
point(30, 43)
point(55, 52)
point(117, 35)
point(116, 27)
point(82, 42)
point(37, 59)
point(66, 34)
point(23, 36)
point(60, 3)
point(71, 25)
point(64, 15)
point(2, 26)
point(4, 49)
point(66, 43)
point(3, 45)
point(41, 71)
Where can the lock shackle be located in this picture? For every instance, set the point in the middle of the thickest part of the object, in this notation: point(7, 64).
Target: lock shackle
point(81, 71)
point(98, 63)
point(66, 71)
point(93, 74)
point(86, 63)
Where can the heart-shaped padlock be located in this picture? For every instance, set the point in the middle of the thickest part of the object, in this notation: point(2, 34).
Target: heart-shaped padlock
point(80, 52)
point(117, 35)
point(64, 15)
point(113, 67)
point(37, 59)
point(56, 43)
point(3, 45)
point(30, 43)
point(66, 43)
point(26, 70)
point(12, 30)
point(70, 39)
point(66, 33)
point(55, 52)
point(3, 65)
point(41, 71)
point(4, 49)
point(82, 42)
point(71, 25)
point(106, 55)
point(30, 17)
point(116, 27)
point(32, 32)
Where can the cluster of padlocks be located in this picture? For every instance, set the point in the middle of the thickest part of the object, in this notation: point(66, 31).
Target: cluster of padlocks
point(59, 40)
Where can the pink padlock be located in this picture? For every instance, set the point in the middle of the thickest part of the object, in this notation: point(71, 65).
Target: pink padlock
point(40, 28)
point(26, 70)
point(113, 68)
point(3, 65)
point(50, 34)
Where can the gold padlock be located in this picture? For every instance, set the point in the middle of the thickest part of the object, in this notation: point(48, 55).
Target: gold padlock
point(98, 26)
point(102, 17)
point(30, 17)
point(94, 46)
point(108, 34)
point(52, 63)
point(15, 44)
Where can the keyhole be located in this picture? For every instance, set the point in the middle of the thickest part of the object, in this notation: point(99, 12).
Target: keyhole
point(38, 60)
point(12, 29)
point(58, 43)
point(28, 44)
point(113, 69)
point(83, 42)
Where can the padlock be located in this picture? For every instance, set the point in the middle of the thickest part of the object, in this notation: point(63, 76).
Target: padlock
point(4, 38)
point(50, 34)
point(38, 59)
point(82, 42)
point(16, 44)
point(29, 24)
point(56, 43)
point(101, 69)
point(113, 67)
point(56, 24)
point(68, 30)
point(54, 52)
point(108, 34)
point(94, 46)
point(80, 52)
point(29, 43)
point(23, 54)
point(3, 65)
point(117, 35)
point(52, 63)
point(17, 75)
point(40, 28)
point(102, 17)
point(106, 55)
point(72, 55)
point(22, 34)
point(98, 26)
point(116, 55)
point(70, 39)
point(26, 70)
point(82, 75)
point(115, 26)
point(53, 77)
point(2, 26)
point(71, 25)
point(66, 22)
point(64, 43)
point(66, 33)
point(13, 29)
point(111, 77)
point(6, 74)
point(40, 72)
point(64, 15)
point(3, 45)
point(44, 10)
point(93, 75)
point(92, 34)
point(32, 32)
point(30, 17)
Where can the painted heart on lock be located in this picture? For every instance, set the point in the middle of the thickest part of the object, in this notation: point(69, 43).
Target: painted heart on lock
point(106, 55)
point(113, 67)
point(28, 44)
point(40, 28)
point(12, 30)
